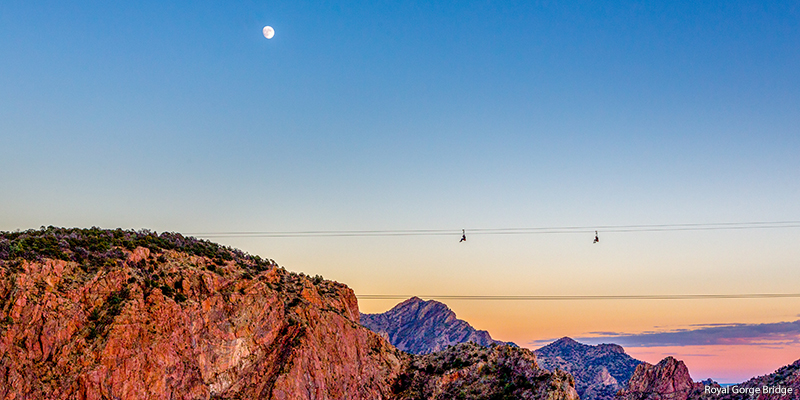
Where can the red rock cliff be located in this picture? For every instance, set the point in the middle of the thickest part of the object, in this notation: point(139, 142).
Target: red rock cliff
point(173, 325)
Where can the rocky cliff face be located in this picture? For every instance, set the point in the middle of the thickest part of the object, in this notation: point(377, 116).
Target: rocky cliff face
point(471, 371)
point(97, 314)
point(667, 380)
point(422, 327)
point(600, 371)
point(92, 314)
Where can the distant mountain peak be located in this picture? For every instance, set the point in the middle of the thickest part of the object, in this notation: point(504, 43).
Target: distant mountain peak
point(412, 299)
point(424, 326)
point(566, 340)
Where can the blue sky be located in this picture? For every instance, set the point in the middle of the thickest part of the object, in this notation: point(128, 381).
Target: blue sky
point(425, 115)
point(661, 112)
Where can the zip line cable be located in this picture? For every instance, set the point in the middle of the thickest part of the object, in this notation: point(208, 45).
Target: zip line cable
point(578, 297)
point(537, 230)
point(510, 231)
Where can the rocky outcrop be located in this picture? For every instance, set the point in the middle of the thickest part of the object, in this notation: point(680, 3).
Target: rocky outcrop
point(421, 327)
point(471, 371)
point(93, 314)
point(600, 371)
point(667, 380)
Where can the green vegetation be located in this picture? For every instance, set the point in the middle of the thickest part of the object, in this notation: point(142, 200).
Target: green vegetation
point(167, 291)
point(104, 315)
point(494, 373)
point(96, 248)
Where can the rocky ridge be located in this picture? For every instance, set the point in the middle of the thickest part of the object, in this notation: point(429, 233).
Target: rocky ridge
point(421, 327)
point(599, 371)
point(471, 371)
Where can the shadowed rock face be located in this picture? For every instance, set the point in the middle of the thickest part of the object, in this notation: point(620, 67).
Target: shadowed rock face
point(422, 327)
point(600, 371)
point(667, 380)
point(471, 371)
point(167, 323)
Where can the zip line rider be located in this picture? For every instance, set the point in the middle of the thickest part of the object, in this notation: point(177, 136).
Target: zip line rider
point(463, 236)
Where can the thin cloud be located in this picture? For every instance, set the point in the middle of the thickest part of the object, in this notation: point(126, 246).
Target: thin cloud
point(776, 334)
point(542, 342)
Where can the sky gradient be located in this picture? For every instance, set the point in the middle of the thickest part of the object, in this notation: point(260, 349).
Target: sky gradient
point(361, 115)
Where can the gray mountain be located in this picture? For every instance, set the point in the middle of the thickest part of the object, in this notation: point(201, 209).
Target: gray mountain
point(599, 371)
point(422, 327)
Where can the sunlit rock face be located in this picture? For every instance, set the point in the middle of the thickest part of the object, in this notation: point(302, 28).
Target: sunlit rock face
point(422, 327)
point(667, 380)
point(600, 371)
point(84, 316)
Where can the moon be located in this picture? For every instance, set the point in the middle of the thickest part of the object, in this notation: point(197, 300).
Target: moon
point(269, 32)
